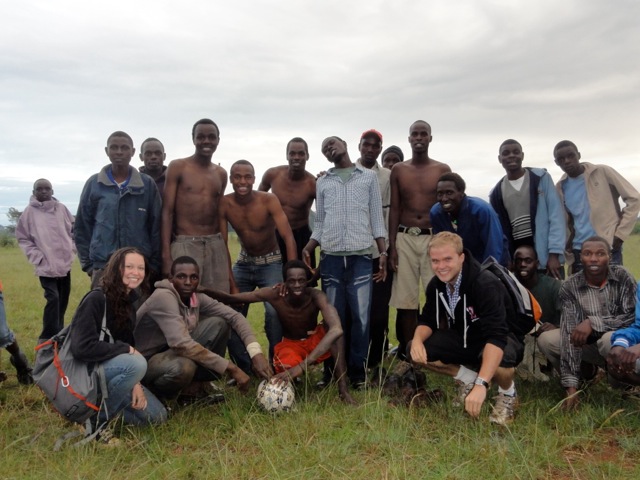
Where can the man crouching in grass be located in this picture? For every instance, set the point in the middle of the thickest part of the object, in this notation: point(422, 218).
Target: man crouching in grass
point(305, 341)
point(463, 330)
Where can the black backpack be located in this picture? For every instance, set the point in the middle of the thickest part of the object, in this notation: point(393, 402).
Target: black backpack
point(527, 308)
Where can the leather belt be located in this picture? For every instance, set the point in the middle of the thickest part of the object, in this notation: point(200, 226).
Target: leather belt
point(415, 231)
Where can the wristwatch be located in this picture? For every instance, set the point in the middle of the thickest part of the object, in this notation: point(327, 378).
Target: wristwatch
point(481, 381)
point(383, 254)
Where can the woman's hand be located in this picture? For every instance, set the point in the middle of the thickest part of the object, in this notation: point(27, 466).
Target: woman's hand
point(138, 400)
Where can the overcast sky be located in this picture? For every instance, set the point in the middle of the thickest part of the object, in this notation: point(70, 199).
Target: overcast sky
point(72, 72)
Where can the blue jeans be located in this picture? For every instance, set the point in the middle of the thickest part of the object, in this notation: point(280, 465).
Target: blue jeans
point(248, 278)
point(348, 280)
point(6, 335)
point(122, 373)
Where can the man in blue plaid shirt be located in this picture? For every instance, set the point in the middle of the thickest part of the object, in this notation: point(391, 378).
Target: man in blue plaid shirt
point(348, 219)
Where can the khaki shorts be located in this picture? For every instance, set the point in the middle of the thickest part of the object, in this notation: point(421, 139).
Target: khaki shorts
point(210, 252)
point(413, 265)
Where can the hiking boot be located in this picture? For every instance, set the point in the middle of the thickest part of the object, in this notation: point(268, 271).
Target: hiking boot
point(391, 384)
point(504, 408)
point(463, 391)
point(414, 378)
point(378, 376)
point(23, 369)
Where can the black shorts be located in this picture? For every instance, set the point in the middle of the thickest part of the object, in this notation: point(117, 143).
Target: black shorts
point(447, 346)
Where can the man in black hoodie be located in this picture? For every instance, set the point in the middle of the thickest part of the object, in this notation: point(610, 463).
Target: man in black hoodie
point(463, 330)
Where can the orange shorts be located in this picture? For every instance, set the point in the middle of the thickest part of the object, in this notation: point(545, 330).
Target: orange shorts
point(289, 353)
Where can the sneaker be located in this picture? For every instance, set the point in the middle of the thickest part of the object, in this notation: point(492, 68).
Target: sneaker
point(503, 411)
point(463, 391)
point(23, 368)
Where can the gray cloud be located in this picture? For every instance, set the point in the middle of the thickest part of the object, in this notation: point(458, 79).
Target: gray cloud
point(72, 72)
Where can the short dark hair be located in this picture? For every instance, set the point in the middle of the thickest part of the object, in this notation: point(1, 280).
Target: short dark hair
point(509, 141)
point(562, 144)
point(455, 178)
point(296, 140)
point(530, 247)
point(150, 139)
point(184, 260)
point(203, 121)
point(120, 133)
point(597, 238)
point(295, 264)
point(243, 162)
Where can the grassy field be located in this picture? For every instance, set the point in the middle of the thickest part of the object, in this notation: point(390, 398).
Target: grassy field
point(322, 438)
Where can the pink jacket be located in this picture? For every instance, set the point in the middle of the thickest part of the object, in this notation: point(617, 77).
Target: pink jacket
point(44, 232)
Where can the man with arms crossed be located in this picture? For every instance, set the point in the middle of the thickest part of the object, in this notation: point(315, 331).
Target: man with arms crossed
point(296, 190)
point(413, 193)
point(305, 341)
point(183, 335)
point(255, 216)
point(192, 194)
point(463, 330)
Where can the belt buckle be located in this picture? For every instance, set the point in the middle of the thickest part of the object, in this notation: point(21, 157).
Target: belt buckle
point(415, 231)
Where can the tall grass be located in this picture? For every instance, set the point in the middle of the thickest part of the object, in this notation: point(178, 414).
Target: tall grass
point(322, 438)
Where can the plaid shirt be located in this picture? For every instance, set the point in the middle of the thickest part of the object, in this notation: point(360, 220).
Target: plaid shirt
point(454, 296)
point(348, 214)
point(609, 307)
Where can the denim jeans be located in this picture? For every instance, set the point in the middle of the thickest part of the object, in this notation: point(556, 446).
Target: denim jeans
point(6, 335)
point(348, 280)
point(248, 278)
point(122, 373)
point(56, 293)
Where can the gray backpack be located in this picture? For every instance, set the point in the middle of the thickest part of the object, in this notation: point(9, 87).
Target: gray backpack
point(75, 390)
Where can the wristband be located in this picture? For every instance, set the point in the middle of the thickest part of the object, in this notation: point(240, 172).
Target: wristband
point(254, 349)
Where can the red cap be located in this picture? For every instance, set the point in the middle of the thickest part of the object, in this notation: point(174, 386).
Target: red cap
point(372, 131)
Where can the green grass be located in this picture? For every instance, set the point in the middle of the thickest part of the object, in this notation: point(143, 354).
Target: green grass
point(322, 438)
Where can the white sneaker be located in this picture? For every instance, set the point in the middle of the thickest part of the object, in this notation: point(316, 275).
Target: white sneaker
point(503, 411)
point(463, 391)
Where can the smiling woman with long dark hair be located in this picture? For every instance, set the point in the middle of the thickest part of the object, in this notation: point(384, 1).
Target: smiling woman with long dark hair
point(123, 365)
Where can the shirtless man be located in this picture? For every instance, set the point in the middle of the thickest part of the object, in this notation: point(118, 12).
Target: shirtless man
point(413, 193)
point(296, 190)
point(192, 191)
point(305, 341)
point(255, 216)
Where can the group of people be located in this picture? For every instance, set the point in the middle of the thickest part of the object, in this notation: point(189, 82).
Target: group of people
point(155, 243)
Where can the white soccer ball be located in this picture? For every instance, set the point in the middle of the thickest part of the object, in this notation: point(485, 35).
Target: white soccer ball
point(274, 398)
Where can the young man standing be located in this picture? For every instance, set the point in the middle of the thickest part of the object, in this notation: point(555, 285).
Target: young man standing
point(190, 222)
point(595, 302)
point(255, 217)
point(348, 219)
point(413, 193)
point(305, 342)
point(370, 147)
point(463, 330)
point(470, 217)
point(529, 209)
point(183, 334)
point(153, 156)
point(119, 207)
point(591, 197)
point(44, 233)
point(296, 190)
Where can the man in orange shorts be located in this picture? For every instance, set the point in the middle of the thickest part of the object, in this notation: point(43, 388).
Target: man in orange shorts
point(305, 341)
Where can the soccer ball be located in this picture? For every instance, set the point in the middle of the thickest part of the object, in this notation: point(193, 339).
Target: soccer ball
point(274, 398)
